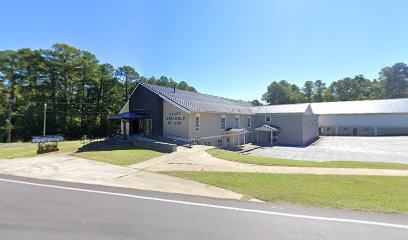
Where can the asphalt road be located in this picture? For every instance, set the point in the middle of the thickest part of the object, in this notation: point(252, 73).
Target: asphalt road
point(42, 209)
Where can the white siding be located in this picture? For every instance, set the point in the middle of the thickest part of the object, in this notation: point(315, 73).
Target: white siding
point(385, 120)
point(176, 123)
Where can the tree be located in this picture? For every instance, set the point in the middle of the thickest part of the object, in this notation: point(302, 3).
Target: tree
point(319, 89)
point(11, 75)
point(80, 92)
point(282, 92)
point(350, 89)
point(256, 102)
point(376, 90)
point(395, 80)
point(330, 93)
point(164, 81)
point(127, 75)
point(308, 90)
point(3, 106)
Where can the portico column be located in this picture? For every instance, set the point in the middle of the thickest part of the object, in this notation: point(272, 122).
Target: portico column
point(124, 129)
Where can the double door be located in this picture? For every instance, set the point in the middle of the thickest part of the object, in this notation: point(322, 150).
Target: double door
point(141, 126)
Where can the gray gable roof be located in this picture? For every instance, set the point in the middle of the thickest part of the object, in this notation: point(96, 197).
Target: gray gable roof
point(198, 102)
point(362, 107)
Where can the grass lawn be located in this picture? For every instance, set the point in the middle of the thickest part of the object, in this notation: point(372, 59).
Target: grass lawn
point(372, 193)
point(119, 155)
point(266, 161)
point(16, 150)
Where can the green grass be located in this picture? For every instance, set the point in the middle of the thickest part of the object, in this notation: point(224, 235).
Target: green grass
point(119, 155)
point(16, 150)
point(266, 161)
point(371, 193)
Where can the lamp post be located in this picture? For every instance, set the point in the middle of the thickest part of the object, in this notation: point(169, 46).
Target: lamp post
point(45, 117)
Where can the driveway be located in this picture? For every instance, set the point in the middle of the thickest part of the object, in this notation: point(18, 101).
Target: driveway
point(64, 167)
point(336, 148)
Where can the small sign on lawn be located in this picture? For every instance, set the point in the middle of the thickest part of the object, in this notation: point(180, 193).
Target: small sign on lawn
point(48, 143)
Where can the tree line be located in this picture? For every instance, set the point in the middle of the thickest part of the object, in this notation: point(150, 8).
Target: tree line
point(392, 83)
point(81, 93)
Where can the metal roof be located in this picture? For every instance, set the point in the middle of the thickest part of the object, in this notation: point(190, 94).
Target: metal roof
point(198, 102)
point(285, 108)
point(131, 115)
point(362, 107)
point(267, 128)
point(236, 130)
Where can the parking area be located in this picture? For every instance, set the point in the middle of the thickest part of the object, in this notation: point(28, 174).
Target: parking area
point(336, 148)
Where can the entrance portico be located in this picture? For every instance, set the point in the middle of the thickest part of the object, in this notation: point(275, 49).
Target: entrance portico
point(272, 134)
point(134, 122)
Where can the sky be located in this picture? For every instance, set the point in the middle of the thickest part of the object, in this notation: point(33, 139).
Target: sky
point(228, 48)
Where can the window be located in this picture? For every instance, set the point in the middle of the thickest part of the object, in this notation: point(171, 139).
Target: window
point(236, 121)
point(267, 118)
point(197, 122)
point(223, 120)
point(249, 122)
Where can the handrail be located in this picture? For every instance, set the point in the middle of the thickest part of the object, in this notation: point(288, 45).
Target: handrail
point(86, 142)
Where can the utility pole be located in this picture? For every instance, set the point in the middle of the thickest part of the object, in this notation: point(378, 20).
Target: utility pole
point(45, 117)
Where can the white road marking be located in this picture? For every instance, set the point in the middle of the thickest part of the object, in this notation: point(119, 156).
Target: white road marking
point(344, 220)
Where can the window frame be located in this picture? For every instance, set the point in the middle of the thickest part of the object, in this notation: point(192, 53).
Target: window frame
point(249, 122)
point(266, 117)
point(236, 122)
point(223, 117)
point(197, 123)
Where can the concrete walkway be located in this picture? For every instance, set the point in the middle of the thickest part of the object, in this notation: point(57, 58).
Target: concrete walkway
point(64, 167)
point(196, 159)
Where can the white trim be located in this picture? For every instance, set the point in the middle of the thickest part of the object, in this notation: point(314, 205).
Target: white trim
point(265, 212)
point(123, 108)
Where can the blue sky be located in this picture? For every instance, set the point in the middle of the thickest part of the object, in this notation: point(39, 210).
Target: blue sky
point(227, 48)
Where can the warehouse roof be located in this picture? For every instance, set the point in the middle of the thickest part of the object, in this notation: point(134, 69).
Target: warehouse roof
point(284, 109)
point(198, 102)
point(362, 107)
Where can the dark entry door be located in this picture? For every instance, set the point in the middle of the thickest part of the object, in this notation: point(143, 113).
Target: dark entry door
point(135, 127)
point(274, 137)
point(354, 131)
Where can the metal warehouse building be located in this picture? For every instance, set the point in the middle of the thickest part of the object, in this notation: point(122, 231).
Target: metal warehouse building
point(184, 116)
point(363, 118)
